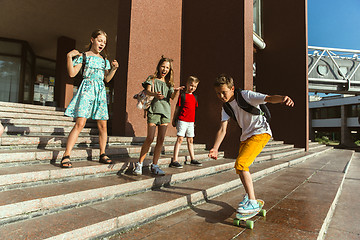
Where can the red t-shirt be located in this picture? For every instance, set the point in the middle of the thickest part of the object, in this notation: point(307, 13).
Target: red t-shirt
point(187, 113)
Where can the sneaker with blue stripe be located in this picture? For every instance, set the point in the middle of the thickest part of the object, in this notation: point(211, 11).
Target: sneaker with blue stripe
point(244, 200)
point(250, 207)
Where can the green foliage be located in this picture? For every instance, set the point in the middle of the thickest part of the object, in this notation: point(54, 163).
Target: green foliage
point(323, 140)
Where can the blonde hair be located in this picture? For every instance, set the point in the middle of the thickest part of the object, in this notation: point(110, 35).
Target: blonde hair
point(169, 78)
point(94, 35)
point(224, 79)
point(192, 79)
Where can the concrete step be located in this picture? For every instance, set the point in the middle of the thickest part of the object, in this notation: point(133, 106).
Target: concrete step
point(42, 200)
point(38, 130)
point(265, 156)
point(41, 174)
point(46, 141)
point(29, 106)
point(296, 200)
point(30, 111)
point(30, 116)
point(19, 157)
point(11, 177)
point(51, 141)
point(276, 147)
point(124, 212)
point(24, 123)
point(57, 141)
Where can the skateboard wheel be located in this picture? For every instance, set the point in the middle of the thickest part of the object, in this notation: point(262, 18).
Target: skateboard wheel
point(249, 224)
point(263, 212)
point(236, 222)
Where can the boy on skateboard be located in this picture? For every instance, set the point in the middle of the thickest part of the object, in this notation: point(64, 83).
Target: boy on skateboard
point(256, 132)
point(184, 121)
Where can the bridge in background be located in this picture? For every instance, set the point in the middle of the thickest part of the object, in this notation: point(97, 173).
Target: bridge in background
point(333, 70)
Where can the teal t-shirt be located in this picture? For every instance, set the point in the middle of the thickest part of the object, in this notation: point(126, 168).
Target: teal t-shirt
point(160, 106)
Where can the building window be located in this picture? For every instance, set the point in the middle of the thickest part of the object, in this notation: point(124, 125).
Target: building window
point(326, 112)
point(353, 110)
point(333, 112)
point(16, 71)
point(257, 24)
point(9, 78)
point(45, 82)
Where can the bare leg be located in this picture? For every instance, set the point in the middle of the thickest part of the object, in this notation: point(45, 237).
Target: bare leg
point(247, 182)
point(190, 146)
point(159, 142)
point(102, 126)
point(1, 129)
point(151, 128)
point(177, 148)
point(73, 136)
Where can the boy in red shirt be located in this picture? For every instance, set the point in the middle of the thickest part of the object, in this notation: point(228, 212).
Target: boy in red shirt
point(184, 120)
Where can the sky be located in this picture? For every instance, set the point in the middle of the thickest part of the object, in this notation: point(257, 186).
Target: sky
point(334, 23)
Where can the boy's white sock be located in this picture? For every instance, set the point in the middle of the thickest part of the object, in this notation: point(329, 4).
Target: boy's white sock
point(253, 201)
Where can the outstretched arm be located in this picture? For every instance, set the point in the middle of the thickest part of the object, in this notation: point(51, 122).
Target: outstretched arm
point(114, 67)
point(279, 99)
point(72, 70)
point(176, 91)
point(218, 140)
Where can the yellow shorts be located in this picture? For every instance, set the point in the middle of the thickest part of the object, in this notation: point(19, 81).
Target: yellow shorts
point(248, 151)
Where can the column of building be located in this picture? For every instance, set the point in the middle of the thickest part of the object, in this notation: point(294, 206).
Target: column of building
point(346, 139)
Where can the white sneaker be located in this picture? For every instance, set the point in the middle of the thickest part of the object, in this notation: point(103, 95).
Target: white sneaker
point(138, 169)
point(250, 207)
point(244, 201)
point(156, 170)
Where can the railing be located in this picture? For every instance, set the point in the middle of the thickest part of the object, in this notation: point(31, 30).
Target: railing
point(336, 70)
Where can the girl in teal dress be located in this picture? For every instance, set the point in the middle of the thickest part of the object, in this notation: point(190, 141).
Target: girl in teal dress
point(161, 86)
point(90, 100)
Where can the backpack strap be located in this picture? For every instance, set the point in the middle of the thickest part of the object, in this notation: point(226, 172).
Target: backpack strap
point(83, 64)
point(229, 111)
point(104, 64)
point(242, 103)
point(182, 96)
point(195, 96)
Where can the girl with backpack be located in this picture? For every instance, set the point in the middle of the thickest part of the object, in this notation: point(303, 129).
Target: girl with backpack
point(161, 86)
point(90, 100)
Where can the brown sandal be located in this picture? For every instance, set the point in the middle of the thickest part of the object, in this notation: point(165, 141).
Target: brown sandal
point(68, 163)
point(105, 159)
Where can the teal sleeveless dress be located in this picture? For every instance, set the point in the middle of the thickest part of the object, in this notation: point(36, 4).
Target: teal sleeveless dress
point(90, 100)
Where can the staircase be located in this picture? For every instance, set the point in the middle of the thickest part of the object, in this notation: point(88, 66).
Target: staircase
point(40, 200)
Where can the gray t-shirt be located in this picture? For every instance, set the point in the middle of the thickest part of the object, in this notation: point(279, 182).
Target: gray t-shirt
point(160, 106)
